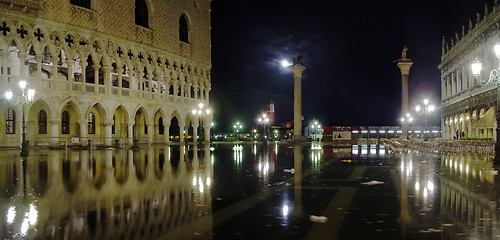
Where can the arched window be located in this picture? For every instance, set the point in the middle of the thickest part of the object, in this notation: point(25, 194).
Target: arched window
point(42, 122)
point(161, 128)
point(141, 13)
point(183, 29)
point(10, 121)
point(81, 3)
point(65, 123)
point(91, 123)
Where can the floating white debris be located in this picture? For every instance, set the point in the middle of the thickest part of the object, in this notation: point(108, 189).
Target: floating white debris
point(372, 183)
point(292, 171)
point(491, 172)
point(318, 219)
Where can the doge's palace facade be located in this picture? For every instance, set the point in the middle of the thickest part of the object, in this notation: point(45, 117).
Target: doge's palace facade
point(105, 71)
point(467, 106)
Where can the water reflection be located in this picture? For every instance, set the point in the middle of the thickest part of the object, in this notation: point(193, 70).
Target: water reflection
point(469, 195)
point(170, 192)
point(105, 194)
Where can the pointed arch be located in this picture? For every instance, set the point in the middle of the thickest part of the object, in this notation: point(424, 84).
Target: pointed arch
point(183, 28)
point(141, 13)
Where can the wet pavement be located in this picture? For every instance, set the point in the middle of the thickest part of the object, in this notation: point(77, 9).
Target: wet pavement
point(247, 191)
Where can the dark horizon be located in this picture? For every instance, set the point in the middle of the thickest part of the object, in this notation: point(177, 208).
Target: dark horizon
point(350, 48)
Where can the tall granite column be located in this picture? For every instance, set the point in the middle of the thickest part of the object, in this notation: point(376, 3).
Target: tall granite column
point(404, 65)
point(297, 100)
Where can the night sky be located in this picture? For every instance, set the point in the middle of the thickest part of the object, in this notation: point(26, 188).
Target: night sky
point(349, 48)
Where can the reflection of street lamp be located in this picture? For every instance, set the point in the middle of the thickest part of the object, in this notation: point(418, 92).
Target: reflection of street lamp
point(406, 120)
point(237, 127)
point(26, 98)
point(426, 110)
point(263, 120)
point(494, 79)
point(201, 112)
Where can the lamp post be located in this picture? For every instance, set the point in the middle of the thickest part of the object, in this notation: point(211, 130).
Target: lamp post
point(493, 79)
point(406, 120)
point(425, 110)
point(316, 127)
point(202, 112)
point(263, 120)
point(237, 127)
point(24, 99)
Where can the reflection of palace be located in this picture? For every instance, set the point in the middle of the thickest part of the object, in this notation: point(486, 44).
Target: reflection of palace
point(105, 71)
point(468, 199)
point(108, 194)
point(467, 106)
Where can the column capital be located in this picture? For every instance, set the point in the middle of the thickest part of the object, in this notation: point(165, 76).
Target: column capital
point(405, 67)
point(297, 70)
point(108, 123)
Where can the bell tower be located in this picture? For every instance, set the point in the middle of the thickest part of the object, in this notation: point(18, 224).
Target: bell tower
point(270, 111)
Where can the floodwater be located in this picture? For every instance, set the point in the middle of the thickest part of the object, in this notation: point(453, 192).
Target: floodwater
point(247, 191)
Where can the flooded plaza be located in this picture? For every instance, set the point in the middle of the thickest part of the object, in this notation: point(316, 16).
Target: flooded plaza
point(248, 191)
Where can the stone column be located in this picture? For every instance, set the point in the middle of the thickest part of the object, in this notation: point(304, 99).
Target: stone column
point(130, 132)
point(83, 65)
point(22, 57)
point(404, 65)
point(5, 58)
point(195, 126)
point(151, 132)
point(206, 130)
point(107, 132)
point(297, 101)
point(119, 70)
point(70, 63)
point(54, 131)
point(166, 131)
point(96, 66)
point(83, 131)
point(107, 78)
point(39, 59)
point(181, 132)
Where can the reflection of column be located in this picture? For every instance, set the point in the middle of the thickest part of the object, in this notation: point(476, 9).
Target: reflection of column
point(297, 180)
point(405, 216)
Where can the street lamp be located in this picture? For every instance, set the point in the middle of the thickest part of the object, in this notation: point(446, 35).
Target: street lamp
point(407, 119)
point(263, 120)
point(202, 112)
point(24, 99)
point(493, 79)
point(316, 127)
point(426, 110)
point(237, 127)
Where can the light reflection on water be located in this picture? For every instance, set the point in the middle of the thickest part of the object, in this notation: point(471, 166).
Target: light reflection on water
point(155, 192)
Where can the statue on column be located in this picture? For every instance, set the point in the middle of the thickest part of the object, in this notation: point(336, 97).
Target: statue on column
point(298, 61)
point(403, 53)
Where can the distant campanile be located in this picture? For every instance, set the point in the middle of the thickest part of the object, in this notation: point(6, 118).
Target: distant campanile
point(270, 111)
